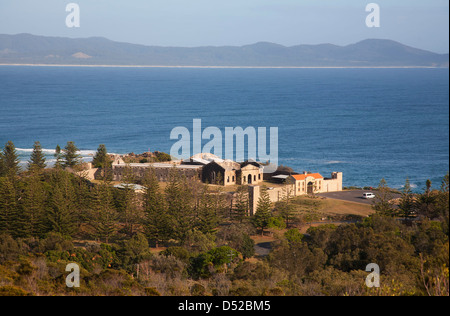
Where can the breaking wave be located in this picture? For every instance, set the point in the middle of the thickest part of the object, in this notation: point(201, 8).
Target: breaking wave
point(83, 153)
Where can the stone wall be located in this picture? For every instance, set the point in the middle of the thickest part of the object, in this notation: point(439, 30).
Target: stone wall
point(162, 173)
point(334, 184)
point(275, 195)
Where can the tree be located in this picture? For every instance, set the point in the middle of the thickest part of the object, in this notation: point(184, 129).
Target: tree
point(157, 224)
point(104, 215)
point(180, 205)
point(60, 213)
point(285, 206)
point(241, 205)
point(130, 211)
point(296, 259)
point(71, 158)
point(33, 206)
point(37, 158)
point(435, 204)
point(10, 160)
point(382, 203)
point(207, 219)
point(443, 199)
point(59, 157)
point(197, 242)
point(424, 203)
point(8, 206)
point(101, 158)
point(406, 205)
point(215, 260)
point(136, 250)
point(263, 211)
point(237, 236)
point(103, 161)
point(293, 236)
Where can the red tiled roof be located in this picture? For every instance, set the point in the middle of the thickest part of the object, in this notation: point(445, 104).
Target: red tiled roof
point(300, 177)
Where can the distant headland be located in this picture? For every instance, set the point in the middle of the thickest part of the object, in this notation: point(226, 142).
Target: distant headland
point(27, 49)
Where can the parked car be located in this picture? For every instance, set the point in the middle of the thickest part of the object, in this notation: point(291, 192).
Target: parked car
point(368, 195)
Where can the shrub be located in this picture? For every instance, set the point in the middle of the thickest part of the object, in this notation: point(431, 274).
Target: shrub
point(151, 291)
point(9, 290)
point(277, 223)
point(198, 290)
point(293, 236)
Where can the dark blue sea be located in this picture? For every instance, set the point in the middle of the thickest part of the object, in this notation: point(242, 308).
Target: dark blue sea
point(368, 123)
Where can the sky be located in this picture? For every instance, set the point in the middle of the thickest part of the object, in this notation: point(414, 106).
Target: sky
point(419, 23)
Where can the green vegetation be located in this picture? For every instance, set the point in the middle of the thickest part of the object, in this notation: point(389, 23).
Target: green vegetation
point(101, 158)
point(184, 239)
point(148, 157)
point(70, 156)
point(37, 158)
point(263, 213)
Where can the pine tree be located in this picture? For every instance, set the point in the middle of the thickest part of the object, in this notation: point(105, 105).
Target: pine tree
point(37, 158)
point(103, 161)
point(424, 203)
point(104, 215)
point(241, 205)
point(8, 207)
point(60, 213)
point(81, 198)
point(10, 160)
point(157, 224)
point(71, 158)
point(59, 158)
point(407, 201)
point(101, 158)
point(180, 205)
point(33, 206)
point(285, 207)
point(130, 210)
point(263, 211)
point(207, 218)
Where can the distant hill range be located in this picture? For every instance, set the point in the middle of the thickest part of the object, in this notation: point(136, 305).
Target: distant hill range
point(31, 49)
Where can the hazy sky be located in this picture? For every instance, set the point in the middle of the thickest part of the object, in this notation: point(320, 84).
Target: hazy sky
point(419, 23)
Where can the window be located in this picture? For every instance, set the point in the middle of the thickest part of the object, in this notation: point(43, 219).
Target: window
point(233, 178)
point(228, 179)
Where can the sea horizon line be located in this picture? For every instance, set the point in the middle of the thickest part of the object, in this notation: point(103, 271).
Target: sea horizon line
point(224, 67)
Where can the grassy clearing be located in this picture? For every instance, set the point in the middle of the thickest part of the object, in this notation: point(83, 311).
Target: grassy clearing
point(316, 208)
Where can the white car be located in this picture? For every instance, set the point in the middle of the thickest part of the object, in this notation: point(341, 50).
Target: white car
point(368, 195)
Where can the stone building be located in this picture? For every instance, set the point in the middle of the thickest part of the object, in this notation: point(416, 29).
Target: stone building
point(229, 172)
point(223, 173)
point(213, 170)
point(297, 185)
point(312, 183)
point(307, 183)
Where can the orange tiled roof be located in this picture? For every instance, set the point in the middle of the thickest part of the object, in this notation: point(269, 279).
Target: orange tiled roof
point(300, 177)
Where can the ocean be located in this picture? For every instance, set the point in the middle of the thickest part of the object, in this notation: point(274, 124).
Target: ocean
point(368, 123)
